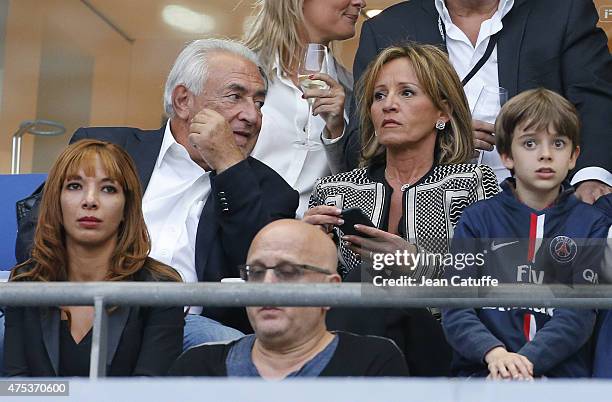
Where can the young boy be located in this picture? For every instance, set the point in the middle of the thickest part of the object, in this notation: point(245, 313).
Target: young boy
point(533, 232)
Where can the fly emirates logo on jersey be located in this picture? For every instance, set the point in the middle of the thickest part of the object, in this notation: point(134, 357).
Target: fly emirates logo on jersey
point(560, 251)
point(528, 274)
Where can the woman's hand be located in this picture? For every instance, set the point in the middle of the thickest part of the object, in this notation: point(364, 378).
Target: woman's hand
point(508, 365)
point(379, 242)
point(325, 216)
point(328, 103)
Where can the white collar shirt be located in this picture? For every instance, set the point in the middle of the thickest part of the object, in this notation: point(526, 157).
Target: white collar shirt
point(284, 115)
point(464, 56)
point(172, 205)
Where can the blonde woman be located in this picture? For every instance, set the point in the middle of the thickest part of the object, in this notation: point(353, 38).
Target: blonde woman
point(280, 32)
point(415, 180)
point(413, 186)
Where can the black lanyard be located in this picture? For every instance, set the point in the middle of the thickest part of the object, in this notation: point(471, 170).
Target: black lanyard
point(483, 59)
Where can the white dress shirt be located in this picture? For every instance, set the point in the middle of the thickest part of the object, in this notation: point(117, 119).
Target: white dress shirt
point(284, 115)
point(463, 55)
point(172, 205)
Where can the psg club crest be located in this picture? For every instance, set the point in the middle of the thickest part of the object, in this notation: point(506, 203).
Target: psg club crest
point(563, 249)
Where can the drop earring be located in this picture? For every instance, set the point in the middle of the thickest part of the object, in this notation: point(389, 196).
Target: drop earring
point(440, 124)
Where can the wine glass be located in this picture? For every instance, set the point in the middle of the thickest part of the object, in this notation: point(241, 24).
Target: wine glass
point(314, 61)
point(487, 107)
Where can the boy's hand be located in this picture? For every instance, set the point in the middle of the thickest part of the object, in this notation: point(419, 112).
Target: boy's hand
point(508, 365)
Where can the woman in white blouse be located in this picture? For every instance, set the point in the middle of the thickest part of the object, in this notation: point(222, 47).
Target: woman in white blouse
point(280, 31)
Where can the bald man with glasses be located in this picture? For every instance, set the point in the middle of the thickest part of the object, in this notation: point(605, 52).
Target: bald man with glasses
point(292, 341)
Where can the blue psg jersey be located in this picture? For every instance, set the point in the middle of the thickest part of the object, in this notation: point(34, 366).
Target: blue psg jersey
point(559, 244)
point(562, 243)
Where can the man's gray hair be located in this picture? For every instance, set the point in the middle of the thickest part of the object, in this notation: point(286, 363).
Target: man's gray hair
point(191, 66)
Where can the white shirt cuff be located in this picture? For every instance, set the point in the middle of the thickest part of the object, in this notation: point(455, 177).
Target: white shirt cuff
point(592, 173)
point(329, 141)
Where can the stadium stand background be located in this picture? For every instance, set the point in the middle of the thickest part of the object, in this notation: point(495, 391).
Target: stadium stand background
point(101, 62)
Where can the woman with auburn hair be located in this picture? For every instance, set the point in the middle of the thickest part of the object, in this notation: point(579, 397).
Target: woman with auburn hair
point(413, 186)
point(280, 34)
point(91, 228)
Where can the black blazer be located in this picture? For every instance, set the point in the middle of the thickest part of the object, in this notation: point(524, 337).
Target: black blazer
point(544, 43)
point(142, 341)
point(242, 200)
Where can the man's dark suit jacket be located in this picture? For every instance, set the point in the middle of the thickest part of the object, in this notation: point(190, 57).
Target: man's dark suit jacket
point(243, 199)
point(553, 44)
point(142, 341)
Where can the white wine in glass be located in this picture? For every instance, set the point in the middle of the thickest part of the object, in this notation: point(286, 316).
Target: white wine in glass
point(314, 61)
point(307, 83)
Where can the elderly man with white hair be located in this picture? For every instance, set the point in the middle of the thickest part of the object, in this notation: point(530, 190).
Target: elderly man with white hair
point(205, 198)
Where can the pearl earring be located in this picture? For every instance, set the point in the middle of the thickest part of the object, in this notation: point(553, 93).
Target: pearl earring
point(440, 124)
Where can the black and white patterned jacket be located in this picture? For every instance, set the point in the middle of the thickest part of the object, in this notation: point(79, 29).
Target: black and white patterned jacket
point(431, 207)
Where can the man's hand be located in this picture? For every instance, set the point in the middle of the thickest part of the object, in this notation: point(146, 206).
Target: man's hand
point(590, 190)
point(484, 140)
point(329, 103)
point(211, 135)
point(508, 365)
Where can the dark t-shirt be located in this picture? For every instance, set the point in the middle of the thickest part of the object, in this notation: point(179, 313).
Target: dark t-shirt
point(355, 356)
point(74, 357)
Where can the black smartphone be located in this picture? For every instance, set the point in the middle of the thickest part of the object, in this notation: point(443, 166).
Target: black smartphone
point(354, 216)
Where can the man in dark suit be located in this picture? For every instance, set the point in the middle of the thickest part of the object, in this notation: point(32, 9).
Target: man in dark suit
point(541, 43)
point(204, 197)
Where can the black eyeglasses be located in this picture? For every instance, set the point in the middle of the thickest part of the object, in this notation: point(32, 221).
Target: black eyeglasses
point(283, 272)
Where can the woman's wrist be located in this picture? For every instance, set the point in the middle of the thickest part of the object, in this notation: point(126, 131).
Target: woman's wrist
point(333, 131)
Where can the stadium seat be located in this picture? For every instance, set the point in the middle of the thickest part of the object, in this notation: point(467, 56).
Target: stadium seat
point(12, 189)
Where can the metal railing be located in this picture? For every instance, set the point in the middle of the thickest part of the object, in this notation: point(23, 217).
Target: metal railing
point(104, 294)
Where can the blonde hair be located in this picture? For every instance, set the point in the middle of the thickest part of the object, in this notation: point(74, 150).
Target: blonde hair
point(455, 143)
point(537, 109)
point(276, 29)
